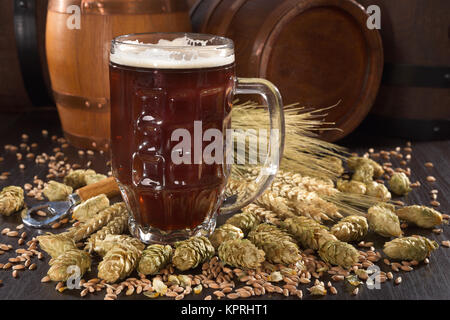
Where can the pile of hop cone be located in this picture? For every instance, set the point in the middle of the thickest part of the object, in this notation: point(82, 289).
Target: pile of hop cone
point(292, 217)
point(306, 224)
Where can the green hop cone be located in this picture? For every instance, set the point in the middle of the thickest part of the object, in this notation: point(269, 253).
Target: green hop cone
point(383, 221)
point(363, 173)
point(274, 231)
point(225, 232)
point(93, 178)
point(76, 178)
point(399, 184)
point(56, 191)
point(102, 246)
point(246, 221)
point(378, 190)
point(351, 228)
point(355, 162)
point(304, 230)
point(11, 200)
point(154, 258)
point(313, 235)
point(277, 244)
point(191, 252)
point(119, 262)
point(338, 253)
point(89, 208)
point(353, 186)
point(55, 244)
point(410, 248)
point(62, 267)
point(421, 216)
point(241, 253)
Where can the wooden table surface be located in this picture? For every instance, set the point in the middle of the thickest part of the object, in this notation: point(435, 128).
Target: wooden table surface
point(430, 281)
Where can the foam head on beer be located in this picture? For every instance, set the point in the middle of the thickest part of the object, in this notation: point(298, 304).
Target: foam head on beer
point(179, 53)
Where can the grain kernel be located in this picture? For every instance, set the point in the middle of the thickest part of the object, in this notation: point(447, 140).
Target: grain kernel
point(19, 267)
point(56, 225)
point(435, 203)
point(406, 268)
point(41, 213)
point(219, 294)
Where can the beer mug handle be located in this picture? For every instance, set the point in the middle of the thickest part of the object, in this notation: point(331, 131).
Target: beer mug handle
point(269, 169)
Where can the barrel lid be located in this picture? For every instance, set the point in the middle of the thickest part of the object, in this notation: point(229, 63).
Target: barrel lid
point(321, 53)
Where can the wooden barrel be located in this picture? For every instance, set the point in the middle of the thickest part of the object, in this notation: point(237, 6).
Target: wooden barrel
point(414, 97)
point(318, 52)
point(23, 68)
point(78, 58)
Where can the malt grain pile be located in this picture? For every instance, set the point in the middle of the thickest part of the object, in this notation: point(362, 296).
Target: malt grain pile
point(323, 254)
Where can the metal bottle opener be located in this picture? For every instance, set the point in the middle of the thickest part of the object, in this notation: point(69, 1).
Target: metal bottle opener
point(60, 209)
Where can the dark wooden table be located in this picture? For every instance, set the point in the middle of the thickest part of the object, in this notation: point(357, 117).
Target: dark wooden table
point(430, 281)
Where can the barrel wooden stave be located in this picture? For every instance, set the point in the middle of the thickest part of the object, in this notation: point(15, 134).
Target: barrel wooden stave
point(78, 63)
point(328, 78)
point(13, 94)
point(414, 33)
point(318, 52)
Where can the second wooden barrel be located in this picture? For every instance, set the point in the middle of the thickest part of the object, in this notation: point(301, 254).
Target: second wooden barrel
point(24, 79)
point(78, 58)
point(414, 97)
point(318, 52)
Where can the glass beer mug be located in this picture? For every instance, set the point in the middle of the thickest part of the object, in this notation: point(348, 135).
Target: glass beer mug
point(171, 100)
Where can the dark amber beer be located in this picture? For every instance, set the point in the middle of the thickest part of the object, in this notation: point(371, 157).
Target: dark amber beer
point(167, 196)
point(161, 83)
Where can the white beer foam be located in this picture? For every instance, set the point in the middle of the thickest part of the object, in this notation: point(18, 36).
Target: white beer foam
point(180, 53)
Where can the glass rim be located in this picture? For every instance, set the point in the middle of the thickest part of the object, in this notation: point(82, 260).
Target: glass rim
point(227, 43)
